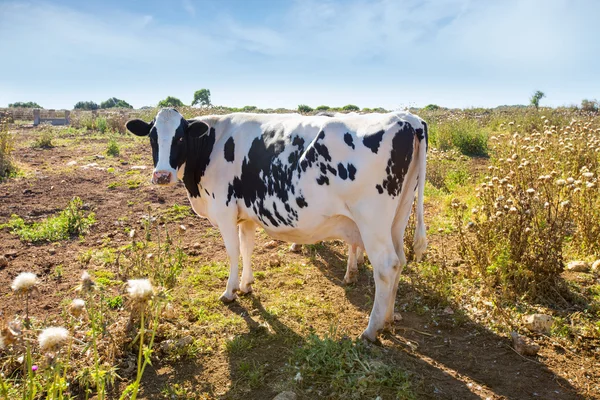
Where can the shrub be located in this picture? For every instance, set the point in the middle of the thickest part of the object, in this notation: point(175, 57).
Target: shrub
point(112, 149)
point(303, 108)
point(536, 97)
point(28, 104)
point(86, 105)
point(113, 102)
point(44, 140)
point(71, 221)
point(431, 107)
point(249, 108)
point(462, 134)
point(322, 108)
point(541, 190)
point(116, 123)
point(350, 107)
point(102, 124)
point(171, 101)
point(7, 167)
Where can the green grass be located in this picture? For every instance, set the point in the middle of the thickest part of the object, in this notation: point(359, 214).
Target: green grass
point(342, 368)
point(44, 140)
point(112, 148)
point(463, 134)
point(70, 222)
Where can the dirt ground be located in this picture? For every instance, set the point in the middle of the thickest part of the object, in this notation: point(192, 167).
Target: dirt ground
point(447, 358)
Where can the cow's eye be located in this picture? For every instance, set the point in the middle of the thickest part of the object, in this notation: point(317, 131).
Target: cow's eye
point(180, 140)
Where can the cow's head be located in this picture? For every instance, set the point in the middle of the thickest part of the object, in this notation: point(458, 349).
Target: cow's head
point(170, 135)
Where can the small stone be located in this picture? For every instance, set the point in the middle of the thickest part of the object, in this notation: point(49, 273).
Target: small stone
point(448, 310)
point(540, 323)
point(296, 248)
point(523, 345)
point(275, 261)
point(578, 266)
point(52, 250)
point(182, 229)
point(596, 267)
point(71, 163)
point(99, 157)
point(3, 262)
point(271, 245)
point(140, 167)
point(196, 246)
point(397, 317)
point(286, 396)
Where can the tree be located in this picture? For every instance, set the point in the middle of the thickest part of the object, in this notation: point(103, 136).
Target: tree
point(322, 108)
point(350, 107)
point(202, 97)
point(86, 105)
point(536, 97)
point(28, 104)
point(303, 108)
point(589, 105)
point(431, 107)
point(113, 102)
point(171, 101)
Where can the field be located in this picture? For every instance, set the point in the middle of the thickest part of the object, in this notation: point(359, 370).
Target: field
point(298, 330)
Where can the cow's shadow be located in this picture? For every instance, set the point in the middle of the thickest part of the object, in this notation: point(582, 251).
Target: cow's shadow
point(444, 344)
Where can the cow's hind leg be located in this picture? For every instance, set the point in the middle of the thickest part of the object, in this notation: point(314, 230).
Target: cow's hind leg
point(247, 233)
point(229, 233)
point(352, 267)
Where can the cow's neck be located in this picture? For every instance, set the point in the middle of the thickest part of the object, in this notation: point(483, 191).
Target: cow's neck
point(198, 154)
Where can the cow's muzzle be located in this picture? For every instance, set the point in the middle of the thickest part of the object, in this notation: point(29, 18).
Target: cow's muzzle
point(161, 178)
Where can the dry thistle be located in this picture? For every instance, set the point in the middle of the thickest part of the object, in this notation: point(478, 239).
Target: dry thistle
point(87, 283)
point(140, 290)
point(77, 307)
point(24, 283)
point(52, 339)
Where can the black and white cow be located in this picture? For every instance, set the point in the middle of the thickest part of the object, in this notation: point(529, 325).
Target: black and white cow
point(303, 180)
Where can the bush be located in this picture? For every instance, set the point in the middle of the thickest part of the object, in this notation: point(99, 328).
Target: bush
point(171, 101)
point(462, 134)
point(112, 148)
point(541, 190)
point(69, 222)
point(116, 123)
point(86, 105)
point(102, 124)
point(350, 107)
point(28, 104)
point(249, 108)
point(44, 140)
point(431, 107)
point(7, 167)
point(113, 102)
point(303, 108)
point(322, 108)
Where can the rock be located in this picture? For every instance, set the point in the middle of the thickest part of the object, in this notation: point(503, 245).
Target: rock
point(448, 310)
point(3, 262)
point(578, 266)
point(139, 167)
point(296, 248)
point(397, 317)
point(286, 396)
point(271, 245)
point(196, 246)
point(99, 157)
point(596, 267)
point(540, 323)
point(71, 163)
point(52, 250)
point(523, 345)
point(275, 261)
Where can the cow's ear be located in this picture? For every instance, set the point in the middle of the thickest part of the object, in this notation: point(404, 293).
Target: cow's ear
point(196, 129)
point(139, 127)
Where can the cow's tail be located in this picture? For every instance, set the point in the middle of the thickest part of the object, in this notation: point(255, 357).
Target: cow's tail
point(420, 238)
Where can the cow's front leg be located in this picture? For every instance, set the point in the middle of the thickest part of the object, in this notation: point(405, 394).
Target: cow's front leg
point(232, 245)
point(247, 233)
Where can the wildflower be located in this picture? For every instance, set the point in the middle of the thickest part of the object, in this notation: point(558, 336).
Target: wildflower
point(546, 205)
point(52, 339)
point(590, 185)
point(530, 191)
point(513, 210)
point(570, 180)
point(499, 213)
point(86, 282)
point(132, 233)
point(500, 198)
point(24, 282)
point(515, 156)
point(588, 175)
point(77, 306)
point(34, 368)
point(140, 290)
point(561, 182)
point(575, 190)
point(564, 203)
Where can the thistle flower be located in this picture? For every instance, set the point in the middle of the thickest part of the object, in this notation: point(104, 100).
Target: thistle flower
point(530, 191)
point(86, 282)
point(140, 290)
point(561, 182)
point(570, 180)
point(590, 185)
point(24, 282)
point(513, 210)
point(76, 307)
point(52, 339)
point(588, 175)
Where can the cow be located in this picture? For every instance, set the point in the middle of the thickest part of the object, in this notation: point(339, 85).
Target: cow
point(303, 179)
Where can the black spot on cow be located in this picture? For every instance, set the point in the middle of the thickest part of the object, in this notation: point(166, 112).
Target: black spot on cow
point(331, 169)
point(229, 149)
point(373, 141)
point(400, 158)
point(301, 202)
point(349, 140)
point(426, 134)
point(323, 168)
point(207, 192)
point(343, 171)
point(323, 180)
point(351, 171)
point(198, 148)
point(379, 188)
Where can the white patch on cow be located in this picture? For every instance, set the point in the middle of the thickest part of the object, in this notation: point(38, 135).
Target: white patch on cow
point(167, 122)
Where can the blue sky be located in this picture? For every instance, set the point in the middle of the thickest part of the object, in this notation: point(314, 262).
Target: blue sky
point(281, 53)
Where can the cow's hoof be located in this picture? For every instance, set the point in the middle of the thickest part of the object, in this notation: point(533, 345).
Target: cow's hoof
point(225, 298)
point(388, 326)
point(369, 337)
point(296, 248)
point(245, 289)
point(350, 279)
